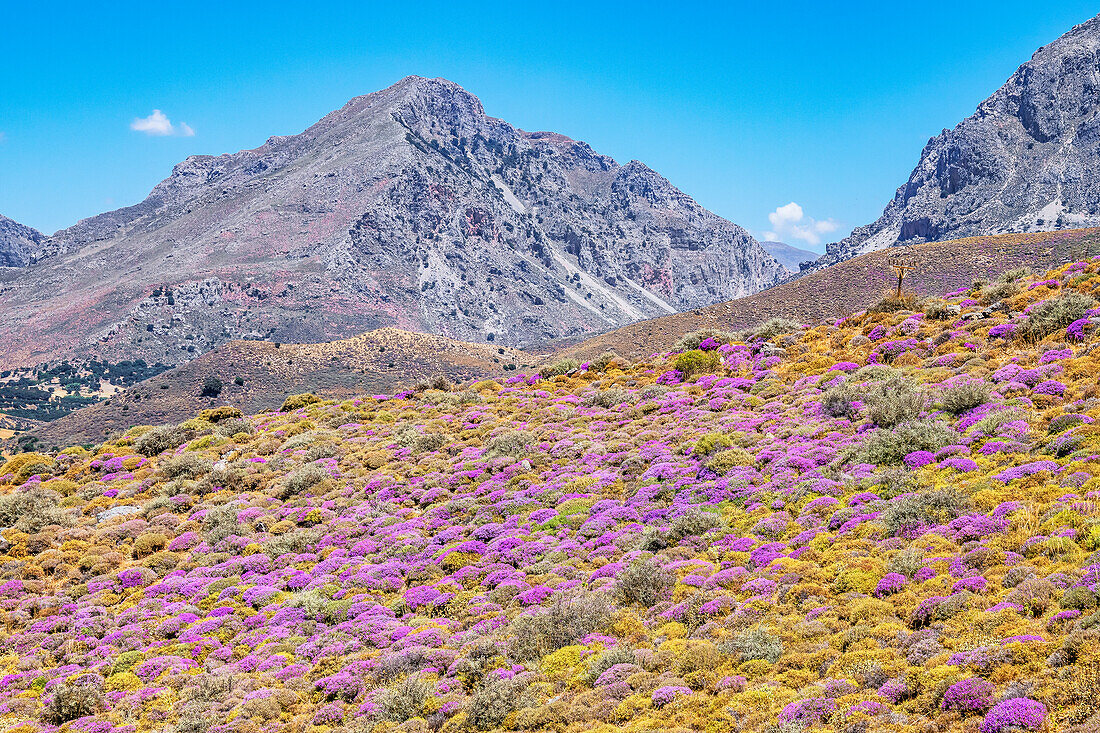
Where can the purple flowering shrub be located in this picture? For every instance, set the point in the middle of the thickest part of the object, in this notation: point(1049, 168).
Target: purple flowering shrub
point(885, 520)
point(1018, 713)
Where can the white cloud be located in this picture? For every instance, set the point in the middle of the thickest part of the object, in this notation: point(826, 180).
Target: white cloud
point(159, 125)
point(789, 222)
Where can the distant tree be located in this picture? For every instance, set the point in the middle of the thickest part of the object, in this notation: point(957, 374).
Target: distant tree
point(211, 386)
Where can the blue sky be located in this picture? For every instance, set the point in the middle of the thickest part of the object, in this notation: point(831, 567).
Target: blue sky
point(748, 107)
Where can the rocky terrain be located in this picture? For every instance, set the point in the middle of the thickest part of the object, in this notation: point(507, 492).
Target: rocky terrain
point(1025, 161)
point(886, 522)
point(409, 207)
point(18, 243)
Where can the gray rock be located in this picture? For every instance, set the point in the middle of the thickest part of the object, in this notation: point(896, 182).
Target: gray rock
point(18, 243)
point(1025, 161)
point(117, 511)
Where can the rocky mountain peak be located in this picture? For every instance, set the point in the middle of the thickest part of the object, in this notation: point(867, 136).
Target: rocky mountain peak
point(1022, 162)
point(408, 207)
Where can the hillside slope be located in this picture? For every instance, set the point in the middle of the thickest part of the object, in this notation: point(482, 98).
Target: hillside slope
point(847, 287)
point(408, 207)
point(385, 360)
point(757, 536)
point(341, 368)
point(1023, 162)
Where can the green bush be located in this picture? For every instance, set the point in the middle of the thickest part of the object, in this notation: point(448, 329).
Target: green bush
point(710, 442)
point(725, 461)
point(694, 362)
point(71, 701)
point(567, 619)
point(990, 424)
point(885, 447)
point(189, 466)
point(493, 701)
point(429, 442)
point(1011, 276)
point(774, 327)
point(838, 402)
point(937, 309)
point(693, 523)
point(220, 414)
point(559, 368)
point(509, 443)
point(404, 700)
point(1057, 313)
point(1079, 598)
point(298, 541)
point(608, 398)
point(304, 479)
point(159, 439)
point(894, 401)
point(691, 341)
point(959, 398)
point(907, 562)
point(440, 382)
point(235, 425)
point(211, 387)
point(998, 291)
point(938, 506)
point(148, 544)
point(605, 360)
point(219, 523)
point(644, 582)
point(1062, 423)
point(31, 510)
point(600, 663)
point(755, 643)
point(298, 401)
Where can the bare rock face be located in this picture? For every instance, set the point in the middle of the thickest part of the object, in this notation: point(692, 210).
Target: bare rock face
point(18, 243)
point(1025, 161)
point(408, 207)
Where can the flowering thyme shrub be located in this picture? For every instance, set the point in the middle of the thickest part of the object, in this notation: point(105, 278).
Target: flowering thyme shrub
point(775, 540)
point(968, 696)
point(1014, 714)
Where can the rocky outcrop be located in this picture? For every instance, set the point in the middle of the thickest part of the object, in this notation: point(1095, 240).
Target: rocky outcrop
point(409, 207)
point(18, 243)
point(1025, 161)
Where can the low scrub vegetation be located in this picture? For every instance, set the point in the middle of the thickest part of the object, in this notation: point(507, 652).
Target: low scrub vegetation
point(886, 521)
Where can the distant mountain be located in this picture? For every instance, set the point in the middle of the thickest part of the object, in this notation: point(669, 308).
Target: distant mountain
point(18, 243)
point(1025, 161)
point(788, 256)
point(408, 207)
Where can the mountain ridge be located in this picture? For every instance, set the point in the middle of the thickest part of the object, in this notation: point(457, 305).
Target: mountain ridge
point(1018, 164)
point(408, 207)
